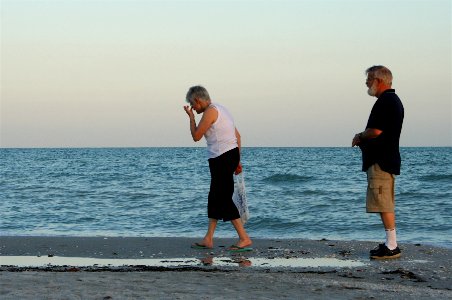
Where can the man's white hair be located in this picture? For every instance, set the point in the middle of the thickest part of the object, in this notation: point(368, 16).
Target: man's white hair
point(381, 72)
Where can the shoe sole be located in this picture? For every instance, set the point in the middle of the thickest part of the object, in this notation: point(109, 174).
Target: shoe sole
point(387, 257)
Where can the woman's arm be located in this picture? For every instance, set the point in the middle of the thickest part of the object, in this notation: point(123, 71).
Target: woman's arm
point(208, 118)
point(239, 138)
point(239, 168)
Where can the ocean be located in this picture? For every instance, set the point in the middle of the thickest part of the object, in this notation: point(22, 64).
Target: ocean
point(307, 193)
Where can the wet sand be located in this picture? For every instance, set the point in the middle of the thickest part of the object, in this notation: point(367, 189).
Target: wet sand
point(313, 272)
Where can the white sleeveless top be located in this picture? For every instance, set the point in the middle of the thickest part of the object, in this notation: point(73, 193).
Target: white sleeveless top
point(220, 136)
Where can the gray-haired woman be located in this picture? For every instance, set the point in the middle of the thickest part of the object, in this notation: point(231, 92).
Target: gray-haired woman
point(223, 148)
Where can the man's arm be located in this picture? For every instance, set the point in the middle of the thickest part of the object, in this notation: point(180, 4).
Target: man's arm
point(369, 133)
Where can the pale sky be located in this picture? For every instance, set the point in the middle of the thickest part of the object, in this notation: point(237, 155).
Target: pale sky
point(115, 73)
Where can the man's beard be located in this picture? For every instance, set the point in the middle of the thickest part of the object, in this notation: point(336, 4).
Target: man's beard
point(372, 91)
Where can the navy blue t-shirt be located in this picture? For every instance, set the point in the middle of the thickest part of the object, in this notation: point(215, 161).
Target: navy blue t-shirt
point(386, 115)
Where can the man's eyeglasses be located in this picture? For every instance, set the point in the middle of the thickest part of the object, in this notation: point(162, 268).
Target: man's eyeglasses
point(370, 79)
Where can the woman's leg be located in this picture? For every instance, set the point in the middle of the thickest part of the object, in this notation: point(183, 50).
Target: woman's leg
point(208, 238)
point(244, 239)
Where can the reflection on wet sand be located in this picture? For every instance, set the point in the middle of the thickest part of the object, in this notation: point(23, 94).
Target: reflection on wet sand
point(240, 261)
point(258, 262)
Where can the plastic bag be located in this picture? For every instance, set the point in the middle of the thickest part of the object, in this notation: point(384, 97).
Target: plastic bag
point(239, 197)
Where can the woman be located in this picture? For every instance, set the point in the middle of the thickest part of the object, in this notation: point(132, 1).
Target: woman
point(223, 148)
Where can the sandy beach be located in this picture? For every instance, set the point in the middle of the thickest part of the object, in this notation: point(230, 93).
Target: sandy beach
point(167, 268)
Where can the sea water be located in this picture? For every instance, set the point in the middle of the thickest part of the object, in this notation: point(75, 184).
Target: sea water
point(307, 193)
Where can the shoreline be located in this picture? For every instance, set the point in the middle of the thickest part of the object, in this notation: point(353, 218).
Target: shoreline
point(423, 271)
point(139, 247)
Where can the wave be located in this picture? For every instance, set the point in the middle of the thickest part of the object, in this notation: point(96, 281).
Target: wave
point(437, 177)
point(287, 178)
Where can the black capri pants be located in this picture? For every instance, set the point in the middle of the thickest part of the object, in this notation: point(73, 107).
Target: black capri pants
point(220, 205)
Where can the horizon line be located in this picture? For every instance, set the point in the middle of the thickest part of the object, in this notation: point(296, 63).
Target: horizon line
point(150, 147)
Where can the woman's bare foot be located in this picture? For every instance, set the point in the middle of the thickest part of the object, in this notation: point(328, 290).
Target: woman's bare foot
point(244, 243)
point(200, 246)
point(207, 242)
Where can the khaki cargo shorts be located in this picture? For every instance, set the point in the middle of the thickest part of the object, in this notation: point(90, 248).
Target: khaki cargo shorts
point(380, 190)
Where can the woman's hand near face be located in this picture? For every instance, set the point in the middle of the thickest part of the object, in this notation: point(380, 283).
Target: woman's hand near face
point(189, 111)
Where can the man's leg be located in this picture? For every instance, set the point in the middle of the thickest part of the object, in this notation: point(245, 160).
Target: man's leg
point(380, 198)
point(388, 219)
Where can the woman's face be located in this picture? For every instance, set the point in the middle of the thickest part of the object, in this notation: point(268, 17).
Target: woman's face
point(196, 105)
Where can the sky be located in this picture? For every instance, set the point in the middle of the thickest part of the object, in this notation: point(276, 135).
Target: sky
point(115, 73)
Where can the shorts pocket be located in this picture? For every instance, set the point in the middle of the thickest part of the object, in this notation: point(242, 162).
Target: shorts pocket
point(379, 195)
point(379, 188)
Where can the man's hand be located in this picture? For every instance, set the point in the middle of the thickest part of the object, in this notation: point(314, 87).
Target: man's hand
point(369, 133)
point(356, 140)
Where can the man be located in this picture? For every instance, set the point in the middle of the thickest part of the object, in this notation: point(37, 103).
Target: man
point(223, 149)
point(379, 144)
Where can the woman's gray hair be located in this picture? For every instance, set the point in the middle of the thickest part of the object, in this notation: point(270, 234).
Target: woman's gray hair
point(197, 91)
point(381, 72)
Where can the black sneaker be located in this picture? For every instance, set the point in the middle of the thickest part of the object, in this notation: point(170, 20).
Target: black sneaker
point(384, 253)
point(373, 251)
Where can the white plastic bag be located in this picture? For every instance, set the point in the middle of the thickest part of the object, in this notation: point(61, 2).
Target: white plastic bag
point(239, 197)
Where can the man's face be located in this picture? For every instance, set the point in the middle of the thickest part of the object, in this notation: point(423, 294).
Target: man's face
point(372, 84)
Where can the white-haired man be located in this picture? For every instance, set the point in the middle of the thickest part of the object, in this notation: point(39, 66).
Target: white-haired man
point(379, 143)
